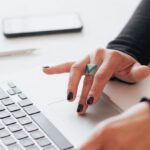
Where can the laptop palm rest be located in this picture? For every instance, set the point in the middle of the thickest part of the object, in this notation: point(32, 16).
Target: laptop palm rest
point(77, 128)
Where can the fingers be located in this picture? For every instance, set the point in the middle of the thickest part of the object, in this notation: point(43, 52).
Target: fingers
point(101, 78)
point(77, 70)
point(87, 83)
point(61, 68)
point(95, 58)
point(139, 72)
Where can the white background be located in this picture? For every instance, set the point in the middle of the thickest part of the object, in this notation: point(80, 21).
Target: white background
point(102, 21)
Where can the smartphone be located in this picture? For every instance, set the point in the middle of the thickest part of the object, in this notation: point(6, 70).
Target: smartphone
point(39, 25)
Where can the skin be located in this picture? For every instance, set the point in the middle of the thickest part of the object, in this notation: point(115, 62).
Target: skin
point(111, 63)
point(127, 131)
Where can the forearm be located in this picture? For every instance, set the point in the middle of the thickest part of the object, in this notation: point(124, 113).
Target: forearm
point(135, 37)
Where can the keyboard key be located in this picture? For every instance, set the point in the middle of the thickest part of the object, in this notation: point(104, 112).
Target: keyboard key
point(25, 120)
point(51, 131)
point(14, 127)
point(1, 126)
point(14, 147)
point(18, 114)
point(25, 103)
point(2, 107)
point(7, 102)
point(8, 140)
point(30, 127)
point(9, 121)
point(11, 92)
point(51, 147)
point(32, 147)
point(22, 96)
point(11, 85)
point(3, 95)
point(27, 123)
point(26, 142)
point(4, 133)
point(43, 142)
point(30, 110)
point(13, 107)
point(20, 135)
point(37, 134)
point(16, 90)
point(4, 114)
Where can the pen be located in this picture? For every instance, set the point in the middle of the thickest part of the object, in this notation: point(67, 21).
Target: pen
point(17, 52)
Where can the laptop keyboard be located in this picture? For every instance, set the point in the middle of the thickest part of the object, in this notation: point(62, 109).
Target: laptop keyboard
point(23, 126)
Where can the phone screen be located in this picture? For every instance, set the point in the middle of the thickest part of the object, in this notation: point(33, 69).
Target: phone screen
point(41, 24)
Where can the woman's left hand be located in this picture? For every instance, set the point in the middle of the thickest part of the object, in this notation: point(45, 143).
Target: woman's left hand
point(127, 131)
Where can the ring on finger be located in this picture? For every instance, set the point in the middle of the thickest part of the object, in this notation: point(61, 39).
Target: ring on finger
point(91, 69)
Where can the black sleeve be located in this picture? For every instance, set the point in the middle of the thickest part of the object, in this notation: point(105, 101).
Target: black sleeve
point(135, 37)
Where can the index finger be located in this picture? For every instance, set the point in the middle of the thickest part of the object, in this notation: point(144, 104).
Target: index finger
point(61, 68)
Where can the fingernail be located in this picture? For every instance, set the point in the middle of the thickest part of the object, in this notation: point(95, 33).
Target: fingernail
point(144, 99)
point(90, 100)
point(46, 67)
point(80, 108)
point(70, 96)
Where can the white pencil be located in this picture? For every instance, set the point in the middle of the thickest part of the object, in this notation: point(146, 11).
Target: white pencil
point(17, 52)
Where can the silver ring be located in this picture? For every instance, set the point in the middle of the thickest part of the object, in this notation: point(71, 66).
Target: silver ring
point(91, 69)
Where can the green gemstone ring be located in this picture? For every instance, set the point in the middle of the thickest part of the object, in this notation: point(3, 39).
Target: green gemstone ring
point(90, 69)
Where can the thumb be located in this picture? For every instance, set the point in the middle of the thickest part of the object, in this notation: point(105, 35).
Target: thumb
point(94, 143)
point(139, 72)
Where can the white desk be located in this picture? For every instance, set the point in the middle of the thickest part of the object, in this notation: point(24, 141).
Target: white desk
point(102, 19)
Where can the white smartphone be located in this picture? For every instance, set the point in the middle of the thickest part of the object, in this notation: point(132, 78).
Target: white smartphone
point(44, 24)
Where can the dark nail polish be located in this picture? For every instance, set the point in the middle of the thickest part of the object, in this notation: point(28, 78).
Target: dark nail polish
point(80, 108)
point(70, 96)
point(144, 99)
point(46, 67)
point(90, 100)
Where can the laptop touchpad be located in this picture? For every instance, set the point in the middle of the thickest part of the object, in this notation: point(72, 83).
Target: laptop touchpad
point(77, 128)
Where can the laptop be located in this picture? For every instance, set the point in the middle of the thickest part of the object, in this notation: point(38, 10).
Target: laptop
point(35, 115)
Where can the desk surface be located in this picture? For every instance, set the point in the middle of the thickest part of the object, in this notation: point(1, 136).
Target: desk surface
point(102, 19)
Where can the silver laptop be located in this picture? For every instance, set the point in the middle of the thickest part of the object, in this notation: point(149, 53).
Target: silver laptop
point(31, 122)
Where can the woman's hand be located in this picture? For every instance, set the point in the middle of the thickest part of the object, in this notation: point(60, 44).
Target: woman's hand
point(128, 131)
point(110, 63)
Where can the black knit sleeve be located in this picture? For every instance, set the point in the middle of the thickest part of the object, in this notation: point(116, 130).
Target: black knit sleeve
point(134, 39)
